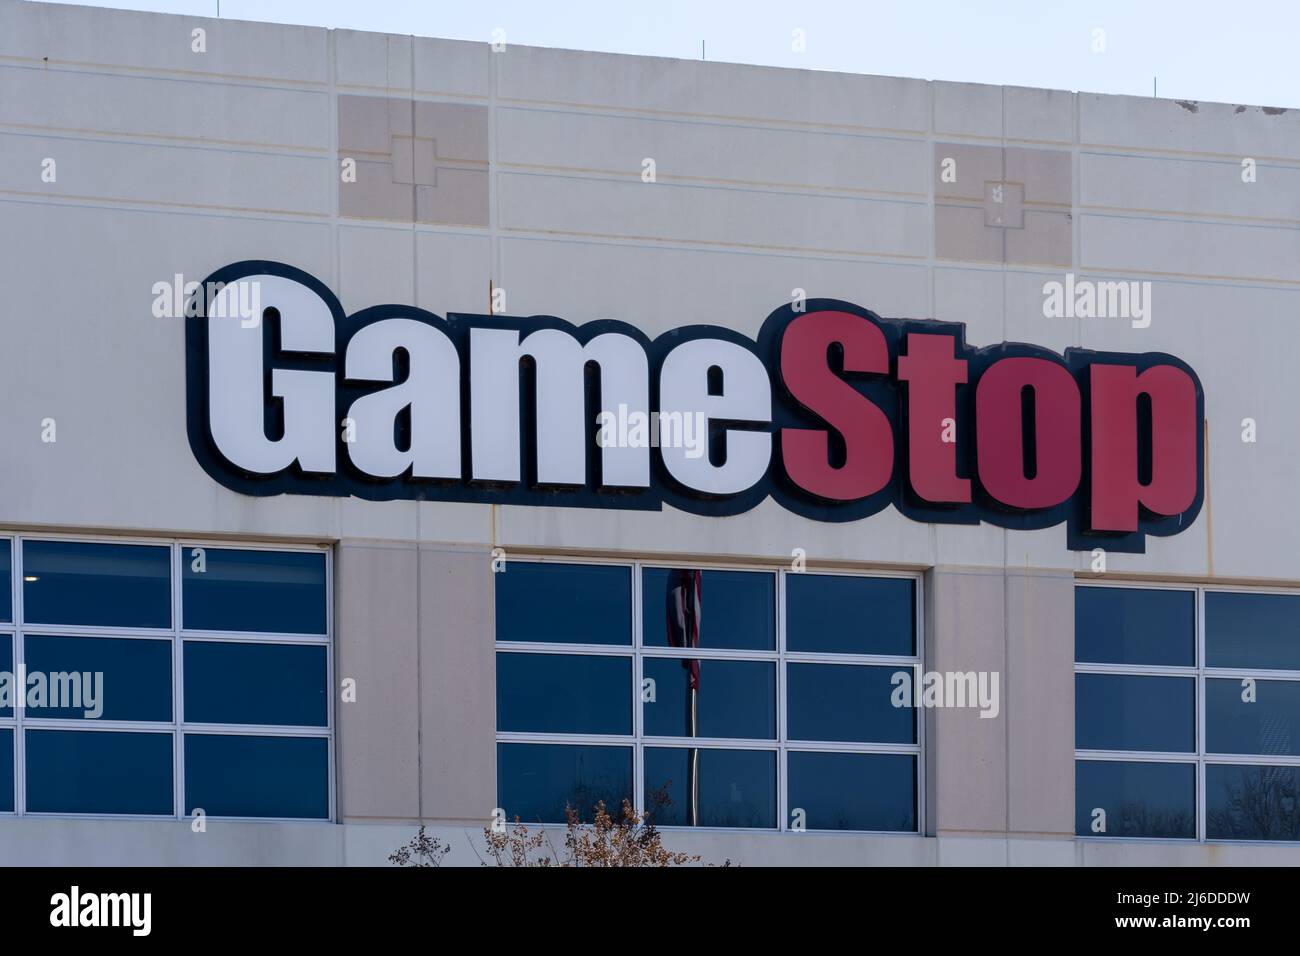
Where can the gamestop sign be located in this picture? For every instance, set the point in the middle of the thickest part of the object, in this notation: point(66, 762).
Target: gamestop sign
point(833, 412)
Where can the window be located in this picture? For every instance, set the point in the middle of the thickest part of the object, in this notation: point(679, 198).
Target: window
point(164, 677)
point(1187, 713)
point(713, 697)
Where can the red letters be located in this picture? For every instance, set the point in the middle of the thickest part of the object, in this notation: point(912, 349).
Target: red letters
point(933, 375)
point(999, 429)
point(1116, 489)
point(1026, 446)
point(868, 439)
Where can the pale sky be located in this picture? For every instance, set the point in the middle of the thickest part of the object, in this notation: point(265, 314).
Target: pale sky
point(1237, 53)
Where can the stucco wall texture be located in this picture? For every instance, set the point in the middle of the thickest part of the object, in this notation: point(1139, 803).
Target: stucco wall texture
point(521, 171)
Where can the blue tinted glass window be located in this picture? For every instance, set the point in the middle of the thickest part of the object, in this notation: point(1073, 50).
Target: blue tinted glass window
point(1252, 803)
point(731, 699)
point(564, 603)
point(853, 791)
point(74, 771)
point(1267, 722)
point(6, 580)
point(1153, 800)
point(229, 682)
point(6, 770)
point(1135, 626)
point(7, 667)
point(841, 614)
point(1252, 630)
point(847, 702)
point(1123, 712)
point(253, 776)
point(711, 788)
point(564, 693)
point(109, 585)
point(535, 782)
point(736, 609)
point(100, 678)
point(230, 589)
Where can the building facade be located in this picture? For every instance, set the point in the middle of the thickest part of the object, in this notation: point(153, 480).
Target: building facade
point(944, 535)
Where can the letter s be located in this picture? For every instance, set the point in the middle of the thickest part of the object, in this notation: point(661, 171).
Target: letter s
point(868, 437)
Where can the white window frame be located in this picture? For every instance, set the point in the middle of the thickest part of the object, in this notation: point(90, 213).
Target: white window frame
point(781, 745)
point(176, 635)
point(1200, 757)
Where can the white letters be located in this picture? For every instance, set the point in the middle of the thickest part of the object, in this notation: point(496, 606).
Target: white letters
point(745, 396)
point(432, 390)
point(235, 381)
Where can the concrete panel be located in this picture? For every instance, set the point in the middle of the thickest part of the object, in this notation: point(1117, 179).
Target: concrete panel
point(457, 685)
point(372, 60)
point(452, 273)
point(1046, 239)
point(105, 103)
point(1219, 129)
point(768, 532)
point(376, 265)
point(617, 145)
point(960, 233)
point(83, 277)
point(967, 109)
point(34, 841)
point(972, 166)
point(966, 753)
point(377, 629)
point(452, 68)
point(1187, 248)
point(1045, 173)
point(643, 284)
point(1038, 115)
point(148, 173)
point(144, 41)
point(698, 88)
point(1188, 187)
point(736, 217)
point(1038, 702)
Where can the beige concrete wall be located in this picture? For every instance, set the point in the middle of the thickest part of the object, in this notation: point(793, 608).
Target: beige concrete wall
point(458, 704)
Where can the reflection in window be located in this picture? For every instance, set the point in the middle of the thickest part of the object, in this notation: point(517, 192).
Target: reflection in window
point(7, 667)
point(846, 702)
point(537, 782)
point(709, 698)
point(847, 614)
point(854, 791)
point(96, 771)
point(707, 787)
point(136, 682)
point(6, 584)
point(563, 603)
point(1252, 803)
point(1252, 630)
point(1252, 716)
point(741, 609)
point(238, 682)
point(707, 734)
point(1118, 799)
point(237, 589)
point(1249, 705)
point(109, 677)
point(564, 693)
point(278, 776)
point(1128, 712)
point(105, 585)
point(1135, 626)
point(6, 770)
